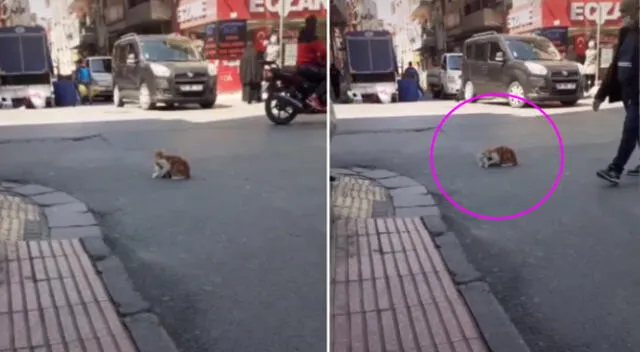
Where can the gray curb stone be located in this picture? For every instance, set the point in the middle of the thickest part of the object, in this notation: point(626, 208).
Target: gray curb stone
point(461, 270)
point(150, 336)
point(379, 174)
point(409, 212)
point(69, 218)
point(412, 190)
point(495, 325)
point(126, 299)
point(31, 190)
point(53, 199)
point(60, 233)
point(9, 185)
point(342, 172)
point(398, 182)
point(413, 200)
point(95, 248)
point(434, 225)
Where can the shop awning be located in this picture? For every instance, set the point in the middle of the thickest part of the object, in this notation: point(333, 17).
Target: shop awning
point(421, 13)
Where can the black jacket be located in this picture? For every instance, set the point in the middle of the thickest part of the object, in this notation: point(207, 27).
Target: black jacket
point(610, 87)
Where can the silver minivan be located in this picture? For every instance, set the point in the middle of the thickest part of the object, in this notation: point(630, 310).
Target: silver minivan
point(100, 67)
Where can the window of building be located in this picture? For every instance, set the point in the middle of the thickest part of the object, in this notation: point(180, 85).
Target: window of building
point(134, 3)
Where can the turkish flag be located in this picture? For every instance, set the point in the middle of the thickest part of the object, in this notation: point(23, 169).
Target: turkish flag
point(580, 44)
point(260, 36)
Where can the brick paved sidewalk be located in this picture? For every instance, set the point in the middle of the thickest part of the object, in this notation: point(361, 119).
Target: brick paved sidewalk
point(51, 298)
point(392, 292)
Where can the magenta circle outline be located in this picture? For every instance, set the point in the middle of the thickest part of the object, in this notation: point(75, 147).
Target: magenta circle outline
point(446, 195)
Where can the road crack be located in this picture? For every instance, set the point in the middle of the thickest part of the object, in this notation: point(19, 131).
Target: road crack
point(56, 139)
point(408, 130)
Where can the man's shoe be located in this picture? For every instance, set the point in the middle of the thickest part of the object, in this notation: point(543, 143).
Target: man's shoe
point(634, 172)
point(609, 176)
point(315, 103)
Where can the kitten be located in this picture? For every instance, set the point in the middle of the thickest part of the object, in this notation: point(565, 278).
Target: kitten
point(170, 166)
point(499, 156)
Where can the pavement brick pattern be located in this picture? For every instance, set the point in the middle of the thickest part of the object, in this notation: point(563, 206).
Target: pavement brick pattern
point(391, 291)
point(52, 300)
point(19, 219)
point(355, 197)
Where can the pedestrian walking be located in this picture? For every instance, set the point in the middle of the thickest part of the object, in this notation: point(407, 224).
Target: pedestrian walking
point(83, 80)
point(621, 84)
point(636, 170)
point(590, 65)
point(251, 75)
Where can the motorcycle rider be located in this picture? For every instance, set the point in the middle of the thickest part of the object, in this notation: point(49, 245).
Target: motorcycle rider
point(311, 61)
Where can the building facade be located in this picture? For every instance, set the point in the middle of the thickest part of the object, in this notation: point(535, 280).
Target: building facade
point(262, 18)
point(570, 24)
point(64, 36)
point(15, 13)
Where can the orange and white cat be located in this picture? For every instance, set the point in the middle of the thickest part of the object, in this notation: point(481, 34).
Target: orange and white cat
point(499, 156)
point(170, 166)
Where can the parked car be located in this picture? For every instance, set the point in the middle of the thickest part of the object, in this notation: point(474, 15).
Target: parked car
point(523, 65)
point(161, 68)
point(446, 80)
point(100, 68)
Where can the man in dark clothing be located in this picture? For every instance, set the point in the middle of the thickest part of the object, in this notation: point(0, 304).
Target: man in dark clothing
point(251, 75)
point(411, 72)
point(311, 61)
point(621, 84)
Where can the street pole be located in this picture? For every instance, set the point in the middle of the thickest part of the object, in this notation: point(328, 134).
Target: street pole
point(281, 30)
point(598, 25)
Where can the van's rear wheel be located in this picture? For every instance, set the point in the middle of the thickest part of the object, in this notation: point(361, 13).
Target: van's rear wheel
point(469, 91)
point(117, 99)
point(144, 98)
point(436, 92)
point(515, 88)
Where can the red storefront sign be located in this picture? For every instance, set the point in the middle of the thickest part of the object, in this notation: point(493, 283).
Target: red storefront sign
point(229, 76)
point(265, 9)
point(581, 13)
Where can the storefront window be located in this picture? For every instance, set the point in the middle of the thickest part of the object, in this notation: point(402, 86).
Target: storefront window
point(169, 50)
point(533, 49)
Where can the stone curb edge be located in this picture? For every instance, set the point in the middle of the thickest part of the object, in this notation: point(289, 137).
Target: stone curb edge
point(69, 218)
point(412, 199)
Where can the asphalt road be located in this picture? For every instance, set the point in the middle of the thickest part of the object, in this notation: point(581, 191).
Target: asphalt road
point(566, 273)
point(233, 260)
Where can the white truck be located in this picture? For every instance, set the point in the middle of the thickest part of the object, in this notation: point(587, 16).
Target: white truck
point(446, 80)
point(26, 70)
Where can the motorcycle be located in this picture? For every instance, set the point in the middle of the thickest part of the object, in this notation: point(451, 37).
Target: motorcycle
point(287, 95)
